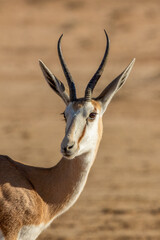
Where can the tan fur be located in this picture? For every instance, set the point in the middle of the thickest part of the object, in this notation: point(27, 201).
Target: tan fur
point(96, 104)
point(19, 202)
point(100, 125)
point(30, 196)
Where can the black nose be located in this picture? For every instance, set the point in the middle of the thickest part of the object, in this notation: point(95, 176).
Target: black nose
point(69, 147)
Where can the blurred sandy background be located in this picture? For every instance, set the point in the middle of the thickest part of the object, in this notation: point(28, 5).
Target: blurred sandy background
point(121, 200)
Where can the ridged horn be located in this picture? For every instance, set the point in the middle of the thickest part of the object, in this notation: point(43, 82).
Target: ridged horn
point(92, 83)
point(72, 89)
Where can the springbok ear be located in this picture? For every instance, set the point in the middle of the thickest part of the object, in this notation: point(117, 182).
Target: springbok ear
point(107, 94)
point(54, 83)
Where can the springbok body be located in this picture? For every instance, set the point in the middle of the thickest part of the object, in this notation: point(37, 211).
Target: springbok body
point(30, 197)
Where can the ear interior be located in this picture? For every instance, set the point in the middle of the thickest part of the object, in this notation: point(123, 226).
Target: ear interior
point(108, 93)
point(54, 83)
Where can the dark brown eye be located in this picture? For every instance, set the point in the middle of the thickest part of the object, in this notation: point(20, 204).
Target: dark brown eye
point(92, 116)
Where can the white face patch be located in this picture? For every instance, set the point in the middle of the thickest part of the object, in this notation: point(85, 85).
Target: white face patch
point(81, 129)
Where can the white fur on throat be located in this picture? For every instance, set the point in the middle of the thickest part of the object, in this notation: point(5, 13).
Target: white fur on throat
point(31, 232)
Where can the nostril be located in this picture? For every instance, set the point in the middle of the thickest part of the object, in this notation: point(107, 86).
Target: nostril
point(64, 149)
point(70, 146)
point(67, 149)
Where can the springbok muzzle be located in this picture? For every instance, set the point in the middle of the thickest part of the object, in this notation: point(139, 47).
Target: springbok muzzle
point(68, 147)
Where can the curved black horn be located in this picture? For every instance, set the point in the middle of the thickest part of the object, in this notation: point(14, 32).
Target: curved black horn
point(92, 83)
point(72, 89)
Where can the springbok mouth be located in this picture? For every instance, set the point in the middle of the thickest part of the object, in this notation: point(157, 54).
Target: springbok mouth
point(69, 155)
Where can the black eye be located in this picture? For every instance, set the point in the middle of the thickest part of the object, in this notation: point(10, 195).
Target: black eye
point(92, 115)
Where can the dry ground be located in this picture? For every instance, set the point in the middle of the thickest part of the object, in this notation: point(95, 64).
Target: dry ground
point(121, 200)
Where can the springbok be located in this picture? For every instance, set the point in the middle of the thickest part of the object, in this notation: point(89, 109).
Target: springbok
point(31, 197)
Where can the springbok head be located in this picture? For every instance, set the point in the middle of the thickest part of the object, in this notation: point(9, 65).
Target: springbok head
point(83, 116)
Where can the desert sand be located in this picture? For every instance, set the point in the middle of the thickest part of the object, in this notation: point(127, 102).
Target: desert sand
point(121, 200)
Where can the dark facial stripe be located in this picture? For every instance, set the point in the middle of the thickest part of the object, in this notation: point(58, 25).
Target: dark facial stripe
point(82, 135)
